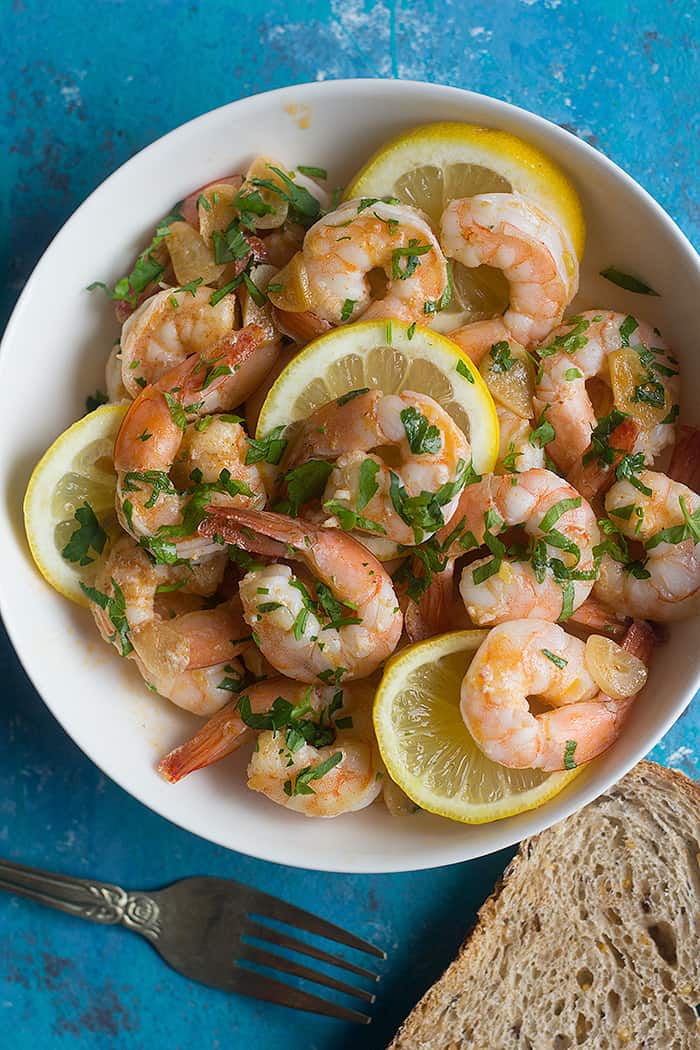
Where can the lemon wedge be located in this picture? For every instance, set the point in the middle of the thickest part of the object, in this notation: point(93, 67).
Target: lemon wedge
point(390, 356)
point(434, 164)
point(427, 749)
point(76, 472)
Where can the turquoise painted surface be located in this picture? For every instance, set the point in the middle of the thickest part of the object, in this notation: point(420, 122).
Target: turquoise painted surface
point(83, 87)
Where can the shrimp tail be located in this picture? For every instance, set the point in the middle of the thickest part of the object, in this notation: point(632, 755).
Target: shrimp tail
point(259, 532)
point(685, 461)
point(598, 617)
point(437, 610)
point(220, 736)
point(640, 640)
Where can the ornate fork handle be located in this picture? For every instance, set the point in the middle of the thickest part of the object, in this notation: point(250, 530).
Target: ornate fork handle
point(101, 902)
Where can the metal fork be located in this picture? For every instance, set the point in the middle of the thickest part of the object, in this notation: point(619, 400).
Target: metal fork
point(198, 926)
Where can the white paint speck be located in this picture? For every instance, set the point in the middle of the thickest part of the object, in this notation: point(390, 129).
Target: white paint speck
point(680, 755)
point(481, 32)
point(71, 95)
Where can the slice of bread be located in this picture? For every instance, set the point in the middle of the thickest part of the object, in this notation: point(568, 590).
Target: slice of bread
point(592, 938)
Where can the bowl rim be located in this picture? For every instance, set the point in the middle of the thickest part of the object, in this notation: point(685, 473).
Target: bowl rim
point(449, 852)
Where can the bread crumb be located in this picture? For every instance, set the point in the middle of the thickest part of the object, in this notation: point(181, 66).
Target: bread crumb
point(623, 1035)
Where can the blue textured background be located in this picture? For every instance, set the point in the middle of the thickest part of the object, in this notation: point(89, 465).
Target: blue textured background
point(86, 85)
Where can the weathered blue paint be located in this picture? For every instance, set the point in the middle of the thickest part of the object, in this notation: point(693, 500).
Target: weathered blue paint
point(86, 85)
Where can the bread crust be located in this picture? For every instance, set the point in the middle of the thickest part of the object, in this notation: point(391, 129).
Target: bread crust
point(420, 1030)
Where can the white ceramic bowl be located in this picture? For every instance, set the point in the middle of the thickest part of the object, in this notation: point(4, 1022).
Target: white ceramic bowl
point(53, 354)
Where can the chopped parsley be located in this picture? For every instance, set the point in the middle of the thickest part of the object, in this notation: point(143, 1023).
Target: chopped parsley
point(191, 287)
point(628, 326)
point(690, 529)
point(367, 486)
point(348, 307)
point(411, 253)
point(312, 171)
point(304, 207)
point(301, 784)
point(544, 432)
point(423, 437)
point(349, 519)
point(501, 358)
point(558, 661)
point(555, 512)
point(93, 401)
point(158, 480)
point(147, 267)
point(569, 749)
point(269, 449)
point(465, 371)
point(303, 484)
point(115, 607)
point(626, 281)
point(88, 536)
point(232, 245)
point(351, 395)
point(424, 512)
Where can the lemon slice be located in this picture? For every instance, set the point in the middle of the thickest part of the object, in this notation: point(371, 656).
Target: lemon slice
point(434, 164)
point(427, 749)
point(390, 356)
point(77, 469)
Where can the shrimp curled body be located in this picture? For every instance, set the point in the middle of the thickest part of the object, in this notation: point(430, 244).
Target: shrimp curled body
point(154, 435)
point(348, 785)
point(350, 429)
point(668, 588)
point(579, 351)
point(173, 324)
point(343, 247)
point(535, 658)
point(506, 231)
point(295, 633)
point(153, 614)
point(559, 522)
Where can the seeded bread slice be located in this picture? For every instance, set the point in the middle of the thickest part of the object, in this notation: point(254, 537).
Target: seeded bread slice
point(592, 938)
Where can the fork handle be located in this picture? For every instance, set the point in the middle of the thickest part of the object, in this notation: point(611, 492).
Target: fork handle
point(101, 902)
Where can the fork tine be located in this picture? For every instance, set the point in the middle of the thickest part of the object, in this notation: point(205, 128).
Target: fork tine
point(267, 933)
point(305, 920)
point(259, 986)
point(252, 953)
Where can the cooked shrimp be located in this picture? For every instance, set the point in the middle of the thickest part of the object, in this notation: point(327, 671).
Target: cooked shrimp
point(666, 519)
point(431, 452)
point(353, 778)
point(557, 573)
point(592, 475)
point(170, 653)
point(153, 436)
point(353, 626)
point(508, 232)
point(343, 247)
point(536, 658)
point(438, 609)
point(172, 325)
point(340, 767)
point(578, 352)
point(226, 731)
